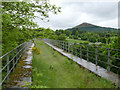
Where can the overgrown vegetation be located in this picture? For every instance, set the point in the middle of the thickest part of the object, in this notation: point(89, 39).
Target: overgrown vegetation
point(52, 70)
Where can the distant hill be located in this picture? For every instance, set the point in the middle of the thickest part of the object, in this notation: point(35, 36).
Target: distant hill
point(91, 28)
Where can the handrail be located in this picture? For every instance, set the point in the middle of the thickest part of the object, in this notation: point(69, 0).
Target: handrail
point(85, 53)
point(19, 53)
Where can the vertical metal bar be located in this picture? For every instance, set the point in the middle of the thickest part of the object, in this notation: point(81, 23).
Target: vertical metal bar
point(16, 55)
point(63, 45)
point(108, 59)
point(96, 56)
point(8, 67)
point(13, 60)
point(68, 47)
point(80, 50)
point(72, 47)
point(76, 49)
point(58, 43)
point(87, 52)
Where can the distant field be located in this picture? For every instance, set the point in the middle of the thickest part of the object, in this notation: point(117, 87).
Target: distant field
point(76, 41)
point(52, 70)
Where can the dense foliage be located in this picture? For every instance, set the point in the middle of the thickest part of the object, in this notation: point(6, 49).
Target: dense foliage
point(17, 21)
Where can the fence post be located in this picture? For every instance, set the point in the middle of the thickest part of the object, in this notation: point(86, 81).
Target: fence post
point(63, 45)
point(13, 60)
point(16, 56)
point(76, 48)
point(80, 50)
point(96, 56)
point(8, 67)
point(87, 52)
point(72, 48)
point(108, 59)
point(68, 47)
point(59, 44)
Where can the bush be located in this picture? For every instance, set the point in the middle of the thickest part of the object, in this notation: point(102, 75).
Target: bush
point(62, 37)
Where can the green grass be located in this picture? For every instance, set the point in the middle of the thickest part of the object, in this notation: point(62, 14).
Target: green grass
point(52, 70)
point(77, 41)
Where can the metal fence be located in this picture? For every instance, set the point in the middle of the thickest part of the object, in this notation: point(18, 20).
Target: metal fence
point(101, 56)
point(10, 60)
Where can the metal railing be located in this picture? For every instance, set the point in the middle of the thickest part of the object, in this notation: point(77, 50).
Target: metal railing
point(91, 53)
point(10, 60)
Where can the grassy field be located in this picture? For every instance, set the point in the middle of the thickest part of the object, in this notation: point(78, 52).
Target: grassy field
point(52, 70)
point(77, 41)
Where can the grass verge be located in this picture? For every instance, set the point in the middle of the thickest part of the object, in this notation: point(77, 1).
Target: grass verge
point(52, 70)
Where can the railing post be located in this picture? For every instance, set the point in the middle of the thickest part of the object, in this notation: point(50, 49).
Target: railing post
point(80, 50)
point(68, 47)
point(63, 45)
point(108, 59)
point(13, 60)
point(87, 52)
point(76, 48)
point(8, 67)
point(59, 43)
point(72, 48)
point(96, 56)
point(16, 55)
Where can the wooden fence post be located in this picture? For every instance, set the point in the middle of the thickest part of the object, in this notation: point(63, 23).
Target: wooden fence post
point(108, 59)
point(8, 67)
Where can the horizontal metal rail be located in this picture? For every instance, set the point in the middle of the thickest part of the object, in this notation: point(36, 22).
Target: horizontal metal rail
point(18, 53)
point(84, 52)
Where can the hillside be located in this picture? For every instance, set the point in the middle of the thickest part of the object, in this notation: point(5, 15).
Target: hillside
point(91, 28)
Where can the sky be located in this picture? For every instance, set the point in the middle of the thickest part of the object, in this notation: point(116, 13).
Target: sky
point(74, 12)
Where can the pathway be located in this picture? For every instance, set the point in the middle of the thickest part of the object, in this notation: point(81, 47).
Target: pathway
point(22, 74)
point(90, 66)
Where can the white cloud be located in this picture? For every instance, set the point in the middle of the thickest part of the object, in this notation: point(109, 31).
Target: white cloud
point(75, 12)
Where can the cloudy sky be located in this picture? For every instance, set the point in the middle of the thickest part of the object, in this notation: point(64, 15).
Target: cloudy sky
point(74, 12)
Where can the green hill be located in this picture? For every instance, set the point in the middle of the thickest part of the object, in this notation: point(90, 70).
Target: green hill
point(91, 28)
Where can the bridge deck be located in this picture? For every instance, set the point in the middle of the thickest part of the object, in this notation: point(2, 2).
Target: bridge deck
point(90, 66)
point(23, 71)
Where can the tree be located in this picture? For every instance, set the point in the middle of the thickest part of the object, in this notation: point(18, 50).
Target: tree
point(17, 21)
point(62, 37)
point(21, 14)
point(67, 32)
